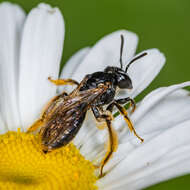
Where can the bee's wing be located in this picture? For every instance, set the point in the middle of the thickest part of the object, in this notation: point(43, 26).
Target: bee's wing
point(86, 96)
point(68, 117)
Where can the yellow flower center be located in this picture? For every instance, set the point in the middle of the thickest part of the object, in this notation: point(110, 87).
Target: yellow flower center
point(23, 165)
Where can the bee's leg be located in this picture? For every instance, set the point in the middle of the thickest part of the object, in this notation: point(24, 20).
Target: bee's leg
point(101, 116)
point(123, 101)
point(59, 82)
point(112, 146)
point(36, 125)
point(46, 110)
point(123, 111)
point(113, 141)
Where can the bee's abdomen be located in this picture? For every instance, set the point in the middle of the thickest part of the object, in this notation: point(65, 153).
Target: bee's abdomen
point(63, 128)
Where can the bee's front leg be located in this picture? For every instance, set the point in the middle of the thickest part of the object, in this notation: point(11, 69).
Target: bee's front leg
point(60, 82)
point(124, 113)
point(123, 101)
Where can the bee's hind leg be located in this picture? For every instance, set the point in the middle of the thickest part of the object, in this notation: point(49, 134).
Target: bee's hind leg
point(60, 82)
point(112, 142)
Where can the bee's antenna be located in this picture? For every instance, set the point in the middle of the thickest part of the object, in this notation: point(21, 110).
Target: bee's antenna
point(121, 51)
point(133, 60)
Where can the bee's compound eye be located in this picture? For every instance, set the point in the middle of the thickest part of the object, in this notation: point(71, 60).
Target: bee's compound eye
point(124, 82)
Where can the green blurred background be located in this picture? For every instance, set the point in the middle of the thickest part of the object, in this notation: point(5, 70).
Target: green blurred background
point(163, 24)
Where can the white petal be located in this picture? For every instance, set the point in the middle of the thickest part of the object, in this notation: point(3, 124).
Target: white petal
point(72, 64)
point(106, 53)
point(92, 140)
point(3, 128)
point(155, 156)
point(163, 170)
point(153, 99)
point(163, 113)
point(150, 102)
point(11, 21)
point(41, 50)
point(171, 110)
point(179, 169)
point(143, 71)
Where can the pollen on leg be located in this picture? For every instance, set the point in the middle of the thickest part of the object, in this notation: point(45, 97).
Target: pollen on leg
point(24, 166)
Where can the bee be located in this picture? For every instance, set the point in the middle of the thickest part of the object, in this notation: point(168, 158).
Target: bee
point(64, 114)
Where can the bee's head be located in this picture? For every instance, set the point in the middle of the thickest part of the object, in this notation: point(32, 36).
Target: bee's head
point(122, 78)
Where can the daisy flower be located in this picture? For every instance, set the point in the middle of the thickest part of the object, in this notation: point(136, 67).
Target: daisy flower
point(30, 52)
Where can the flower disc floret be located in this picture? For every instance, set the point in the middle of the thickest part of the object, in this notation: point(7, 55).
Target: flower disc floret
point(23, 165)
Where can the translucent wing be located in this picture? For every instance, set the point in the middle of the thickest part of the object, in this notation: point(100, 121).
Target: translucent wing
point(65, 115)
